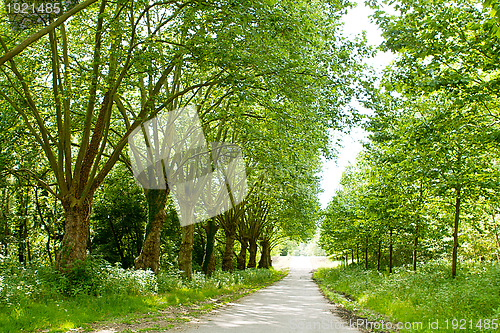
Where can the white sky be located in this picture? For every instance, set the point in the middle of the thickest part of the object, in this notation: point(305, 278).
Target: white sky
point(356, 21)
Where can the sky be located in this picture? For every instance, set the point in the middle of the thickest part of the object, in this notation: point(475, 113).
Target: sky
point(355, 22)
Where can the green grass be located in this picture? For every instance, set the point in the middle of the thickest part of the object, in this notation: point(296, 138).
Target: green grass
point(426, 296)
point(38, 298)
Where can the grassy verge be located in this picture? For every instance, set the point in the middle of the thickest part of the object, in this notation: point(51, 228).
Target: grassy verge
point(426, 301)
point(37, 299)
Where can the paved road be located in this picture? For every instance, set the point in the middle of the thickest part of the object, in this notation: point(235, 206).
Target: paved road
point(294, 304)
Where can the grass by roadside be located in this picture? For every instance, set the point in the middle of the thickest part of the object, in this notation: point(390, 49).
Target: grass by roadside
point(38, 299)
point(468, 303)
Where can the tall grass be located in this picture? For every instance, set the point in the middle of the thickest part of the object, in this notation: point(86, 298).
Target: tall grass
point(426, 296)
point(37, 297)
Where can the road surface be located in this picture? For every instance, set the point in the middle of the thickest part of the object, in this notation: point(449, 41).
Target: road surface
point(293, 304)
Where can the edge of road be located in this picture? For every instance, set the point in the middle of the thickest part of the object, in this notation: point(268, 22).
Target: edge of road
point(175, 317)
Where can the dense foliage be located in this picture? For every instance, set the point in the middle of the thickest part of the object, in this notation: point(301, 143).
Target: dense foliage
point(426, 184)
point(270, 77)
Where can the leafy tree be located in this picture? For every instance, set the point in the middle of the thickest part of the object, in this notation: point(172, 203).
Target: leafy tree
point(447, 55)
point(99, 88)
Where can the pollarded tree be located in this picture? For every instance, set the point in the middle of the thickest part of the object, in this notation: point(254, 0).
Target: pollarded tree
point(83, 88)
point(68, 91)
point(254, 105)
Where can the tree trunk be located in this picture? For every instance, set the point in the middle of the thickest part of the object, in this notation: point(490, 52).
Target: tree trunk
point(497, 238)
point(186, 251)
point(21, 242)
point(357, 253)
point(227, 259)
point(390, 250)
point(208, 266)
point(149, 258)
point(455, 234)
point(46, 227)
point(4, 213)
point(415, 245)
point(415, 240)
point(252, 250)
point(379, 254)
point(28, 247)
point(366, 253)
point(265, 257)
point(352, 256)
point(241, 259)
point(76, 234)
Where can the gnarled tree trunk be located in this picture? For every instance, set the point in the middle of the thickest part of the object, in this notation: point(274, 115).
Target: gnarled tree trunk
point(186, 251)
point(227, 259)
point(241, 259)
point(149, 258)
point(252, 250)
point(76, 234)
point(265, 257)
point(208, 266)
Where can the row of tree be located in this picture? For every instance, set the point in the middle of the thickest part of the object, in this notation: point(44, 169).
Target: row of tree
point(426, 184)
point(270, 77)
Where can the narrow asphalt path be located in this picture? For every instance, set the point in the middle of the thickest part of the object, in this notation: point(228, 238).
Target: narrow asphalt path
point(293, 304)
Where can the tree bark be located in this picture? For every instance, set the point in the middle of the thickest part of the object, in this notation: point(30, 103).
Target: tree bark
point(357, 253)
point(46, 227)
point(5, 230)
point(227, 259)
point(390, 250)
point(379, 254)
point(186, 251)
point(149, 258)
point(455, 234)
point(497, 238)
point(265, 257)
point(415, 245)
point(23, 242)
point(241, 259)
point(252, 250)
point(76, 234)
point(208, 266)
point(366, 253)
